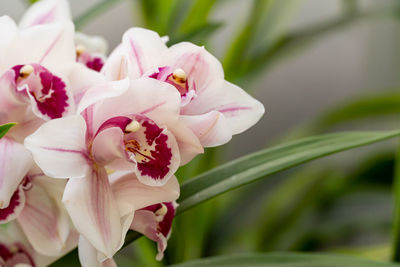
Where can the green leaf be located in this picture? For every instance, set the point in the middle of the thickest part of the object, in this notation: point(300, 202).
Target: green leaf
point(297, 40)
point(197, 16)
point(396, 217)
point(5, 128)
point(382, 104)
point(286, 259)
point(268, 161)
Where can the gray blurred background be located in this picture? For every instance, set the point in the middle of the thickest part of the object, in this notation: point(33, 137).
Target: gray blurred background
point(350, 62)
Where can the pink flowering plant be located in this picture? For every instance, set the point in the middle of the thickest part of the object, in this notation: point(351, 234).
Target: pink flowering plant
point(99, 149)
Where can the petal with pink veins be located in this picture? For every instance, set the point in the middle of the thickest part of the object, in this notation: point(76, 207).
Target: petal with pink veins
point(14, 165)
point(116, 66)
point(44, 220)
point(155, 222)
point(211, 128)
point(129, 191)
point(144, 48)
point(45, 12)
point(199, 65)
point(101, 91)
point(94, 211)
point(12, 103)
point(157, 100)
point(50, 45)
point(59, 148)
point(239, 108)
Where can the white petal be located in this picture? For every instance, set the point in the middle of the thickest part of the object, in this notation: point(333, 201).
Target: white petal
point(88, 255)
point(51, 45)
point(46, 11)
point(15, 164)
point(144, 48)
point(59, 147)
point(211, 128)
point(44, 221)
point(94, 212)
point(93, 44)
point(129, 191)
point(239, 108)
point(200, 66)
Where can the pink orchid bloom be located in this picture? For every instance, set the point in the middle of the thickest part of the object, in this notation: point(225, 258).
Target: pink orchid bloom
point(90, 51)
point(155, 222)
point(39, 80)
point(15, 249)
point(119, 128)
point(36, 206)
point(213, 108)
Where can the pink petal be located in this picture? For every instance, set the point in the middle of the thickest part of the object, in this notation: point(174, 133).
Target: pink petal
point(8, 33)
point(240, 109)
point(46, 11)
point(50, 45)
point(44, 220)
point(17, 203)
point(13, 105)
point(189, 144)
point(144, 48)
point(155, 222)
point(157, 100)
point(94, 212)
point(101, 91)
point(211, 128)
point(59, 148)
point(116, 66)
point(129, 191)
point(200, 66)
point(14, 165)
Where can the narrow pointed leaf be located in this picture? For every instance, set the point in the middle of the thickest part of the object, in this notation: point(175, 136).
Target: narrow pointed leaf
point(268, 161)
point(5, 128)
point(286, 259)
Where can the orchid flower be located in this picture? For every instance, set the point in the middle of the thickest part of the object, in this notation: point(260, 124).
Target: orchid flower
point(16, 250)
point(155, 222)
point(36, 206)
point(126, 128)
point(39, 80)
point(213, 108)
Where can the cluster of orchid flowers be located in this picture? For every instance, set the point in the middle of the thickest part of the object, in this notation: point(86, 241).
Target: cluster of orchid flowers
point(97, 140)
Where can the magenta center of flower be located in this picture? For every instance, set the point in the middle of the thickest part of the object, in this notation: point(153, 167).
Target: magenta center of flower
point(176, 77)
point(93, 62)
point(146, 143)
point(14, 254)
point(47, 89)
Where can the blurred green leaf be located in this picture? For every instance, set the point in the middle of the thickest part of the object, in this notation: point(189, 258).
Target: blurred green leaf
point(96, 10)
point(396, 216)
point(197, 16)
point(5, 128)
point(265, 25)
point(297, 40)
point(286, 259)
point(369, 106)
point(257, 165)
